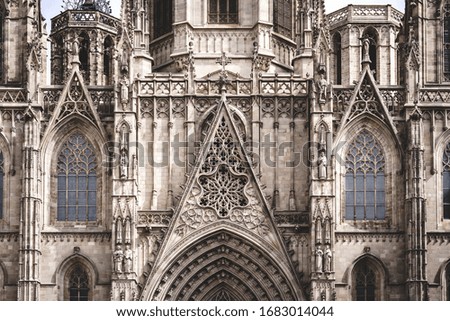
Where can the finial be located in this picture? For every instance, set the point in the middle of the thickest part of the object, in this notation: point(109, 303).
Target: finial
point(223, 78)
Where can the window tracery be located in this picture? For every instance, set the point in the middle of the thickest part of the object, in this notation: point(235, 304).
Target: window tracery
point(364, 179)
point(78, 284)
point(77, 180)
point(223, 174)
point(365, 278)
point(223, 11)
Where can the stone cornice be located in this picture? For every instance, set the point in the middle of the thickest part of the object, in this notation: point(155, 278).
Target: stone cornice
point(76, 237)
point(369, 237)
point(438, 237)
point(9, 236)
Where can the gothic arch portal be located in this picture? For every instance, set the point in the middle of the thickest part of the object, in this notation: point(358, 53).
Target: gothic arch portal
point(223, 265)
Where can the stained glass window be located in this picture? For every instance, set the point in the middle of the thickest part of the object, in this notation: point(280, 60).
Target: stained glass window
point(78, 284)
point(446, 181)
point(282, 17)
point(364, 179)
point(77, 180)
point(223, 11)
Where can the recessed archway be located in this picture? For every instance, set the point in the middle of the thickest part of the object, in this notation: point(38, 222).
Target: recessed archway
point(223, 265)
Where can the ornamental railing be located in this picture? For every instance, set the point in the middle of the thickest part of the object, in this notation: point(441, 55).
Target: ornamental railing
point(83, 18)
point(378, 12)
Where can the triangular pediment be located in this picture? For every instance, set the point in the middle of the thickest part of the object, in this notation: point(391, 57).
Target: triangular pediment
point(323, 40)
point(367, 101)
point(222, 195)
point(75, 100)
point(223, 186)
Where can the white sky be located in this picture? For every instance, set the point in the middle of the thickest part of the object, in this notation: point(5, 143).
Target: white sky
point(51, 8)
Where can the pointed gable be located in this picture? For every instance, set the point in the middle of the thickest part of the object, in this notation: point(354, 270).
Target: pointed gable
point(223, 185)
point(75, 100)
point(222, 209)
point(367, 101)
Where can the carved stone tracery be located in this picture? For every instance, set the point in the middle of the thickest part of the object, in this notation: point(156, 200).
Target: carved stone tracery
point(366, 102)
point(223, 189)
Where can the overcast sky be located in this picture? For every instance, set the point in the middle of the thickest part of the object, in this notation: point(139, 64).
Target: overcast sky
point(51, 8)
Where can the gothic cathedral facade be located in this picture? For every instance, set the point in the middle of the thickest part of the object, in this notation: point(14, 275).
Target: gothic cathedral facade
point(225, 150)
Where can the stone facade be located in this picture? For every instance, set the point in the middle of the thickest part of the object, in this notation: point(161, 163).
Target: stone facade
point(194, 151)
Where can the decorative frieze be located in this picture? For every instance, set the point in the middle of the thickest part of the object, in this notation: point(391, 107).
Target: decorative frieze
point(154, 218)
point(283, 219)
point(11, 95)
point(434, 96)
point(98, 237)
point(9, 237)
point(354, 237)
point(438, 238)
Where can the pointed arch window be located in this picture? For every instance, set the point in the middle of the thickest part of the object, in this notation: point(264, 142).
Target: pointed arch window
point(77, 181)
point(223, 11)
point(84, 55)
point(57, 60)
point(337, 51)
point(78, 284)
point(162, 17)
point(446, 181)
point(364, 179)
point(365, 282)
point(446, 40)
point(107, 60)
point(282, 17)
point(371, 34)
